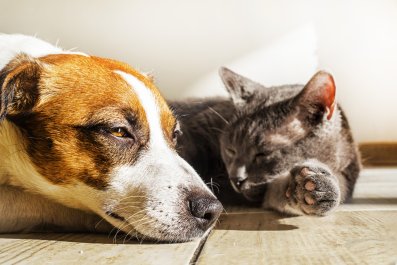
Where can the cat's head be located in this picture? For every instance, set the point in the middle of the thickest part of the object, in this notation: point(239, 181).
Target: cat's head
point(261, 139)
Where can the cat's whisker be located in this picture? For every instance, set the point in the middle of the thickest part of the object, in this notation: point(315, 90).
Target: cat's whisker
point(219, 115)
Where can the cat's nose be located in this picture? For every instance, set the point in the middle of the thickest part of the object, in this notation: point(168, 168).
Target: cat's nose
point(237, 182)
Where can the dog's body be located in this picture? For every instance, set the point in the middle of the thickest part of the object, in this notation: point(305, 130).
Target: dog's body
point(95, 136)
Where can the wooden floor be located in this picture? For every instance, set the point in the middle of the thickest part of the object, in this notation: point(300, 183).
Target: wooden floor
point(364, 232)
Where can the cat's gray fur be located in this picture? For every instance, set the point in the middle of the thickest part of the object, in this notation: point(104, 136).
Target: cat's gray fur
point(288, 147)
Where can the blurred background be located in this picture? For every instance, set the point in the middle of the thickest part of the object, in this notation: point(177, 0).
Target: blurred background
point(183, 43)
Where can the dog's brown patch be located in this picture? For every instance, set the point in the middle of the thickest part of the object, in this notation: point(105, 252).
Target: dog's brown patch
point(66, 130)
point(166, 116)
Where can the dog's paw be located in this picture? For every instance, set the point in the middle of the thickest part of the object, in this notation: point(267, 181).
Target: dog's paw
point(312, 190)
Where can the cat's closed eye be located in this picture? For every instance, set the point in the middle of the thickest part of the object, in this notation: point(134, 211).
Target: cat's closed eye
point(260, 156)
point(230, 151)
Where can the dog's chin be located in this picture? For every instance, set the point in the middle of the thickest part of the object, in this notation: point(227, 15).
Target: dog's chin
point(181, 233)
point(172, 237)
point(177, 234)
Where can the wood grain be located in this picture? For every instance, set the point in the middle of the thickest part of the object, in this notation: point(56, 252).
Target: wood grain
point(379, 154)
point(89, 249)
point(362, 232)
point(360, 237)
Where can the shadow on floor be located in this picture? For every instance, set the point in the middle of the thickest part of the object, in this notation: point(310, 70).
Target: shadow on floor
point(253, 221)
point(373, 201)
point(80, 238)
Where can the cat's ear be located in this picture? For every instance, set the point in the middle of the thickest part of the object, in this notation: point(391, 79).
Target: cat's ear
point(318, 96)
point(240, 88)
point(19, 85)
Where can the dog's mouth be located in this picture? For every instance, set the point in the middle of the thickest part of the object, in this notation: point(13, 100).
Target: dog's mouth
point(122, 226)
point(188, 224)
point(115, 216)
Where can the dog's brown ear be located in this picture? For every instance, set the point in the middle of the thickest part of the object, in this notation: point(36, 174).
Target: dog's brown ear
point(19, 85)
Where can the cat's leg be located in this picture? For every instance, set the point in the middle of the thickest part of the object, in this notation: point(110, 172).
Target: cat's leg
point(21, 211)
point(309, 188)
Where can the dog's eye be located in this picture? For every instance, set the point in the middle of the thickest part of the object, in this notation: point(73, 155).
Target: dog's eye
point(175, 134)
point(119, 132)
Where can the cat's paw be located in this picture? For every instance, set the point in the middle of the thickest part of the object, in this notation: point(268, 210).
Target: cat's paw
point(312, 190)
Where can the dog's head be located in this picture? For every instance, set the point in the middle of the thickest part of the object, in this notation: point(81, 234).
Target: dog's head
point(94, 134)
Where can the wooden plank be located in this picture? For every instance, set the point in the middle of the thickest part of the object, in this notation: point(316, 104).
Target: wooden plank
point(376, 190)
point(379, 154)
point(361, 232)
point(361, 237)
point(358, 233)
point(89, 249)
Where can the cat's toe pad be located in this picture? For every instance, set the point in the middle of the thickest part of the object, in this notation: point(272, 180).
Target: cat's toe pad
point(313, 190)
point(309, 200)
point(310, 186)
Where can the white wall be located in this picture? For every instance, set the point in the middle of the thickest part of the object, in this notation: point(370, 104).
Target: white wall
point(180, 41)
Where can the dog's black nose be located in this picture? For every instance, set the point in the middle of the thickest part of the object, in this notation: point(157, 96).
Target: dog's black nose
point(206, 210)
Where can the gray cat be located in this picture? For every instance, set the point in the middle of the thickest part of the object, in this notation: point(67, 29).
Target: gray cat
point(288, 147)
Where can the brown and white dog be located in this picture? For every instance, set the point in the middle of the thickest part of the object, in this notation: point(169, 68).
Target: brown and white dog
point(83, 136)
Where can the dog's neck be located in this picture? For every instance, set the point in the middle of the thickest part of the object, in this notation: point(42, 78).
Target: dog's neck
point(12, 151)
point(16, 168)
point(14, 162)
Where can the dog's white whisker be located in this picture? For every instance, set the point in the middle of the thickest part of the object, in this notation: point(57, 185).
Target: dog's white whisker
point(130, 207)
point(142, 224)
point(126, 221)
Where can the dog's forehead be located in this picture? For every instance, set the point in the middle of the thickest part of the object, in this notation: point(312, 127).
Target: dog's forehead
point(85, 84)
